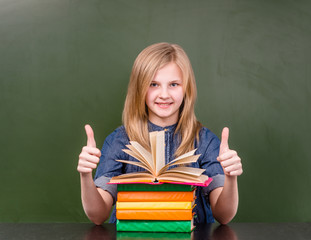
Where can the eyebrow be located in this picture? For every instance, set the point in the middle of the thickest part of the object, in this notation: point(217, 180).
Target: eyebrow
point(175, 80)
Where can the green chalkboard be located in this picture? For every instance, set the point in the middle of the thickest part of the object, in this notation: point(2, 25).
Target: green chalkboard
point(66, 63)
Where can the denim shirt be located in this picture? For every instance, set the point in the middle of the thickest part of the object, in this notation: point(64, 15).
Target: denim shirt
point(208, 147)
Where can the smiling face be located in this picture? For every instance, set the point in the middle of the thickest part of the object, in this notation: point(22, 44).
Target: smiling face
point(165, 95)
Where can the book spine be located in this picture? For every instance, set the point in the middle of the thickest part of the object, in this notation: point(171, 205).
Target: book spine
point(154, 226)
point(154, 235)
point(156, 196)
point(154, 214)
point(154, 205)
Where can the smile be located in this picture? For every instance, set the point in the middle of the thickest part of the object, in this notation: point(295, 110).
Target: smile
point(164, 105)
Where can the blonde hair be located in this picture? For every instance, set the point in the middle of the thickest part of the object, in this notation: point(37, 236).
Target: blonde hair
point(135, 112)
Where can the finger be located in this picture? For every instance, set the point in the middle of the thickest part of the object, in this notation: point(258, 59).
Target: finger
point(231, 168)
point(91, 150)
point(227, 155)
point(224, 146)
point(236, 173)
point(89, 158)
point(231, 161)
point(84, 169)
point(87, 164)
point(90, 136)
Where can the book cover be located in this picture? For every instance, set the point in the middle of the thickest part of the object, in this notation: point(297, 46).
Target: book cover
point(154, 235)
point(154, 226)
point(156, 196)
point(163, 187)
point(154, 205)
point(154, 214)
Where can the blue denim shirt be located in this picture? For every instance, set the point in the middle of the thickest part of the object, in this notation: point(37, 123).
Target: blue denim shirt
point(208, 147)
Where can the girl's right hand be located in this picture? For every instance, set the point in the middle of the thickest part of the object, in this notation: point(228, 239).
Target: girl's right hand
point(89, 156)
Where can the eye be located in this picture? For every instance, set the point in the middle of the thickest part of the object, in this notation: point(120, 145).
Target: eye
point(174, 84)
point(153, 84)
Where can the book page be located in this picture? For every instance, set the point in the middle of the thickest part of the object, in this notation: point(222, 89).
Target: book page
point(182, 177)
point(135, 154)
point(186, 170)
point(139, 164)
point(185, 155)
point(189, 159)
point(160, 151)
point(133, 177)
point(141, 151)
point(153, 145)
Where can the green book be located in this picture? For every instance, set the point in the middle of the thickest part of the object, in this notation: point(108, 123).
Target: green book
point(165, 187)
point(153, 236)
point(154, 226)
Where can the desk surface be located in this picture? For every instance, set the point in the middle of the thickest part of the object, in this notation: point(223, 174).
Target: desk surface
point(234, 231)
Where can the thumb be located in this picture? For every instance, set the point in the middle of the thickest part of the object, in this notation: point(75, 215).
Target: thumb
point(224, 146)
point(90, 136)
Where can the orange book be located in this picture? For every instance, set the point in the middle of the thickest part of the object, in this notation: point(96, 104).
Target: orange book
point(156, 196)
point(154, 205)
point(154, 214)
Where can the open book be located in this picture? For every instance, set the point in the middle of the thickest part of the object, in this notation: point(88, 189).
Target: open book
point(156, 169)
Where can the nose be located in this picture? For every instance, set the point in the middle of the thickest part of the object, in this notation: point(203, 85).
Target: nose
point(164, 94)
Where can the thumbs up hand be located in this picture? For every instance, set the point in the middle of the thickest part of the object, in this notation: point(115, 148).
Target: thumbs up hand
point(229, 159)
point(89, 156)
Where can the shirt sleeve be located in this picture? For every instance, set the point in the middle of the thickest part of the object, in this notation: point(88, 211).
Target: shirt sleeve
point(209, 150)
point(108, 166)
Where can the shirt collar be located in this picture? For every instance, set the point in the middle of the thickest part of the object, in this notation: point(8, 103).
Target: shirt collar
point(152, 127)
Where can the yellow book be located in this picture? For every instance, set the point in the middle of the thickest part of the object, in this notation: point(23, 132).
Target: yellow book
point(155, 205)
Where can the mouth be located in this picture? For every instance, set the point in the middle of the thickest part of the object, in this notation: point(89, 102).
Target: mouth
point(164, 105)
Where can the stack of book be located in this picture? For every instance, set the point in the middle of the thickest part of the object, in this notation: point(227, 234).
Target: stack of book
point(155, 207)
point(160, 199)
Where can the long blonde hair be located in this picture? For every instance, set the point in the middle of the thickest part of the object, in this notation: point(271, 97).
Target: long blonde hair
point(135, 112)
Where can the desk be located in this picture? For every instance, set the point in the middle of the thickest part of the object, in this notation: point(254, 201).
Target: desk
point(85, 231)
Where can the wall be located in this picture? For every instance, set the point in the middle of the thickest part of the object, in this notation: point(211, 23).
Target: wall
point(66, 63)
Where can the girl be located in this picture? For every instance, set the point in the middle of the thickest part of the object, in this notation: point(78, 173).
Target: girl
point(161, 96)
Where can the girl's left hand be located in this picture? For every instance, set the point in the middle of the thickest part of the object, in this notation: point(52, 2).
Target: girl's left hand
point(229, 159)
